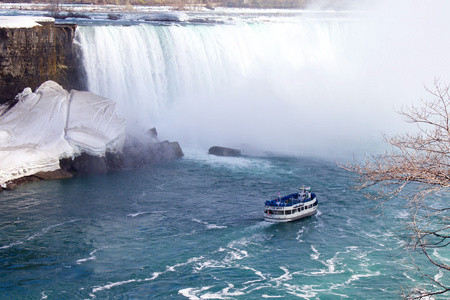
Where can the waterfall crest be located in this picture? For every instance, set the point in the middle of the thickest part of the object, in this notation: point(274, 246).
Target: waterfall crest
point(289, 87)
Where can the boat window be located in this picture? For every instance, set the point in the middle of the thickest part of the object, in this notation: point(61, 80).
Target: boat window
point(288, 212)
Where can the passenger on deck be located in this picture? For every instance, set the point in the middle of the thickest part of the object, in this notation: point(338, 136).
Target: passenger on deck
point(302, 195)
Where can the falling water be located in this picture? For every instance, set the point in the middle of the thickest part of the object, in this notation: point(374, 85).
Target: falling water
point(315, 83)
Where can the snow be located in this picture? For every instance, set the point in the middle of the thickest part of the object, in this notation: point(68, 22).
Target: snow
point(23, 21)
point(93, 124)
point(51, 124)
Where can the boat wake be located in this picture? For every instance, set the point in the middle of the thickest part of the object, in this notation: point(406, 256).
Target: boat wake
point(209, 225)
point(246, 255)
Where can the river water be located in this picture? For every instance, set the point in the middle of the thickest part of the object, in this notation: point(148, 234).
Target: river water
point(194, 229)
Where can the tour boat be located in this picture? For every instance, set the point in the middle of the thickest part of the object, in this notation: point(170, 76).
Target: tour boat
point(291, 207)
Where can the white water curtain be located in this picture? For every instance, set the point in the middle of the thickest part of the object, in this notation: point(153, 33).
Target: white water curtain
point(313, 84)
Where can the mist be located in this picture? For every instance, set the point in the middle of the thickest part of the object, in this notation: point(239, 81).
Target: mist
point(326, 84)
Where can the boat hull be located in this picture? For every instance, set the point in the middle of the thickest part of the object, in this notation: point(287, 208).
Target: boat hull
point(290, 213)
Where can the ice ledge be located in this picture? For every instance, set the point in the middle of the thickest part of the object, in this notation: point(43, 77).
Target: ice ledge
point(51, 124)
point(23, 21)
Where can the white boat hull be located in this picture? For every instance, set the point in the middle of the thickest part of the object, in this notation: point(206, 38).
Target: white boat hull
point(280, 214)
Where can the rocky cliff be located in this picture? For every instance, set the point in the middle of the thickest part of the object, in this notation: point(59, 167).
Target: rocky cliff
point(33, 54)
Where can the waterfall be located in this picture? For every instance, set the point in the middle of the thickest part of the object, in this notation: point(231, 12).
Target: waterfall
point(305, 86)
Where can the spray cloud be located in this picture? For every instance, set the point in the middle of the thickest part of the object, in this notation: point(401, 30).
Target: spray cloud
point(323, 83)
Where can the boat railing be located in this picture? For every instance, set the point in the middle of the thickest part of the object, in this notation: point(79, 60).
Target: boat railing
point(289, 200)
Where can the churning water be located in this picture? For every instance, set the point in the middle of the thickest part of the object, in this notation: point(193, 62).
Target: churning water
point(194, 229)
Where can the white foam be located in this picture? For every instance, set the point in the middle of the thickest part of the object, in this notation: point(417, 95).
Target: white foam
point(233, 163)
point(286, 276)
point(402, 214)
point(189, 261)
point(191, 293)
point(82, 260)
point(133, 215)
point(330, 264)
point(209, 225)
point(91, 257)
point(34, 236)
point(235, 252)
point(199, 221)
point(356, 277)
point(209, 264)
point(154, 276)
point(258, 273)
point(438, 255)
point(214, 226)
point(316, 254)
point(225, 293)
point(111, 285)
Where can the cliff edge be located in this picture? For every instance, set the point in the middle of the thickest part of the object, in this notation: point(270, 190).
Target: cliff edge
point(34, 50)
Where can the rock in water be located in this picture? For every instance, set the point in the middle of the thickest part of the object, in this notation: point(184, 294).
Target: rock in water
point(145, 149)
point(223, 151)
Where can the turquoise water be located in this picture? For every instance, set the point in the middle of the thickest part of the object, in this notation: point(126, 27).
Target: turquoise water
point(194, 229)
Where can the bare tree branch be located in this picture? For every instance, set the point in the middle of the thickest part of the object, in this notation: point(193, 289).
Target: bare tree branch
point(418, 167)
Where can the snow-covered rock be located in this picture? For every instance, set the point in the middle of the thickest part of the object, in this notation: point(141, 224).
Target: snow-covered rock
point(23, 21)
point(51, 124)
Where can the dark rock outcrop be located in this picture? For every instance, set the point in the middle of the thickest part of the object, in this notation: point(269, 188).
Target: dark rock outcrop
point(223, 151)
point(147, 149)
point(30, 56)
point(137, 151)
point(91, 164)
